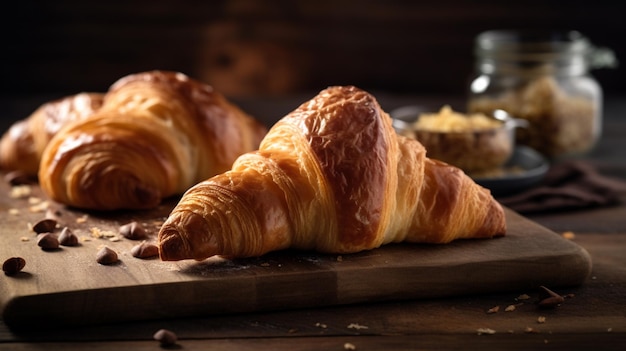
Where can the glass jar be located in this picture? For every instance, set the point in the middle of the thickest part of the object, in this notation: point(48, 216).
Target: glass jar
point(542, 77)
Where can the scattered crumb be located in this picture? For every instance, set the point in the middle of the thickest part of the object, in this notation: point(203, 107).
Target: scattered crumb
point(487, 331)
point(339, 258)
point(82, 219)
point(95, 233)
point(357, 326)
point(609, 330)
point(568, 235)
point(264, 264)
point(24, 238)
point(98, 234)
point(494, 309)
point(33, 200)
point(523, 297)
point(541, 319)
point(14, 211)
point(20, 191)
point(39, 207)
point(509, 308)
point(321, 325)
point(530, 330)
point(349, 346)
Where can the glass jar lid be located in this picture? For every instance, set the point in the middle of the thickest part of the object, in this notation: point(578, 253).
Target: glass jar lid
point(540, 46)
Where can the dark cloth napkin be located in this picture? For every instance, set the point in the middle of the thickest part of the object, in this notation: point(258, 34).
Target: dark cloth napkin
point(568, 185)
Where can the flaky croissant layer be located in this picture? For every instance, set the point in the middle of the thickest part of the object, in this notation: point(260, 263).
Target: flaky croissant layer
point(23, 144)
point(156, 134)
point(331, 176)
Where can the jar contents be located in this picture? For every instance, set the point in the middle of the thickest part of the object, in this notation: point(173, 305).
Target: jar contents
point(559, 123)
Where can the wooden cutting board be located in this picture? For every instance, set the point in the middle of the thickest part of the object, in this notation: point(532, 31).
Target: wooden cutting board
point(68, 286)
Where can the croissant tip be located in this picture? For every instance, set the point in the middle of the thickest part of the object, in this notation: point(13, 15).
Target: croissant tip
point(171, 244)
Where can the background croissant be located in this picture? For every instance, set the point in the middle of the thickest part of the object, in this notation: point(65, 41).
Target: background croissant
point(334, 177)
point(156, 134)
point(22, 145)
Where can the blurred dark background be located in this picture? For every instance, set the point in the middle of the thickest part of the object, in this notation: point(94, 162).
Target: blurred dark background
point(269, 49)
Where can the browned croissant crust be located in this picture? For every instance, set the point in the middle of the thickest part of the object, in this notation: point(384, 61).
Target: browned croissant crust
point(334, 177)
point(22, 145)
point(156, 134)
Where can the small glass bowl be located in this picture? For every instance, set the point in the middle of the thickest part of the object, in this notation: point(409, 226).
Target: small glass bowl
point(473, 151)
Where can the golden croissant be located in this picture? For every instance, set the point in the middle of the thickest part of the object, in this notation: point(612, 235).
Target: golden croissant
point(22, 145)
point(156, 134)
point(332, 176)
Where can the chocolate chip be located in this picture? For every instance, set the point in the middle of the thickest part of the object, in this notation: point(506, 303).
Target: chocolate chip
point(45, 226)
point(550, 299)
point(48, 241)
point(67, 237)
point(106, 256)
point(144, 250)
point(13, 265)
point(551, 302)
point(133, 231)
point(165, 337)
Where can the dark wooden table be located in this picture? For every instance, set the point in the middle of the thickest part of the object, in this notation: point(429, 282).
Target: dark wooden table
point(593, 315)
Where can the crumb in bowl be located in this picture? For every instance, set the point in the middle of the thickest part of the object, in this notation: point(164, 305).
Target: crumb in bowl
point(448, 120)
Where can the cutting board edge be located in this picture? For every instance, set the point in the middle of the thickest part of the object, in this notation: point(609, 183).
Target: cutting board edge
point(331, 297)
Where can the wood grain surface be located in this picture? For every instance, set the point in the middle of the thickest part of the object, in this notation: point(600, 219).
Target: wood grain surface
point(68, 286)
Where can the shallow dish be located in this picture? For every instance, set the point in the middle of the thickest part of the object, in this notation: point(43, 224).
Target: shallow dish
point(525, 169)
